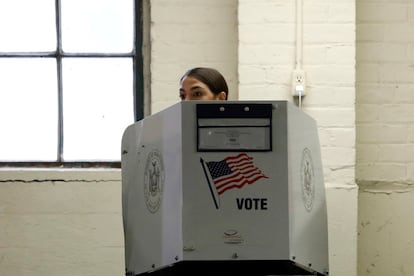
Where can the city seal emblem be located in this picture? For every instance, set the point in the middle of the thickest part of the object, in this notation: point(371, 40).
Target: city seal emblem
point(154, 181)
point(307, 179)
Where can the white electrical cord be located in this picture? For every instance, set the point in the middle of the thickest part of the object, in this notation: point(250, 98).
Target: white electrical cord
point(299, 48)
point(299, 43)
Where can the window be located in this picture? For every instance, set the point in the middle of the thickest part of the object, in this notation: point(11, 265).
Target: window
point(71, 80)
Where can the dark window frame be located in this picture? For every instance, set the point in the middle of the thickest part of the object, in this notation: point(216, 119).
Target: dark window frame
point(138, 86)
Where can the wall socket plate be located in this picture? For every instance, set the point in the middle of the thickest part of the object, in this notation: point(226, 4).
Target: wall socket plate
point(298, 83)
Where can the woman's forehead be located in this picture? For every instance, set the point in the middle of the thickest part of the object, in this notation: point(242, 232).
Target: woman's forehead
point(192, 82)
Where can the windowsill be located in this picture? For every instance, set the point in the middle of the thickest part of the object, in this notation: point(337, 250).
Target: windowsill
point(28, 174)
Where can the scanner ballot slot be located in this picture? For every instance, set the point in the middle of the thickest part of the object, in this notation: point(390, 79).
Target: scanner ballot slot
point(234, 127)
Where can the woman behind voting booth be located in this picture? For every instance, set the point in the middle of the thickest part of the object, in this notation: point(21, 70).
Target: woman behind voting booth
point(188, 225)
point(202, 83)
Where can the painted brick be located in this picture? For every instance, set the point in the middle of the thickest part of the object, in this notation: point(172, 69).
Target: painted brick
point(385, 236)
point(339, 177)
point(342, 206)
point(369, 133)
point(381, 52)
point(331, 75)
point(195, 33)
point(398, 153)
point(338, 117)
point(263, 92)
point(197, 12)
point(68, 225)
point(366, 153)
point(410, 11)
point(342, 12)
point(322, 96)
point(264, 74)
point(410, 130)
point(374, 12)
point(375, 93)
point(367, 73)
point(316, 12)
point(199, 54)
point(87, 230)
point(266, 12)
point(329, 54)
point(165, 93)
point(326, 12)
point(388, 172)
point(385, 83)
point(338, 137)
point(401, 113)
point(252, 74)
point(396, 72)
point(335, 157)
point(267, 33)
point(373, 32)
point(46, 197)
point(65, 261)
point(410, 171)
point(329, 33)
point(266, 54)
point(403, 93)
point(403, 32)
point(368, 113)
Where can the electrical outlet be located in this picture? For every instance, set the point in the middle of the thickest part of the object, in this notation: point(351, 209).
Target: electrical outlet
point(298, 83)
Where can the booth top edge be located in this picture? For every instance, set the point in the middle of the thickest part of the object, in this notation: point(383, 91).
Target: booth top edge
point(275, 103)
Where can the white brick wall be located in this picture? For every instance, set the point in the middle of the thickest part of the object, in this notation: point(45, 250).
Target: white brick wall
point(266, 52)
point(385, 90)
point(61, 223)
point(385, 145)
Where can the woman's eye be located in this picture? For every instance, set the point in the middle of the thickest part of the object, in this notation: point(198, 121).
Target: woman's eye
point(198, 94)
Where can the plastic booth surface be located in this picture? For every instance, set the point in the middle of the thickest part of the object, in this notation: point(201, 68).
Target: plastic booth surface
point(224, 188)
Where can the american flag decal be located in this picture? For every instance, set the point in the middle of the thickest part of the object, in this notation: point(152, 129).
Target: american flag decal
point(230, 173)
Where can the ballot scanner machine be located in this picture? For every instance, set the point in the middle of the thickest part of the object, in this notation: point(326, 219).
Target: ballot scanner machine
point(224, 188)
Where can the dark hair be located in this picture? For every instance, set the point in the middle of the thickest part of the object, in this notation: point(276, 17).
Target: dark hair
point(210, 77)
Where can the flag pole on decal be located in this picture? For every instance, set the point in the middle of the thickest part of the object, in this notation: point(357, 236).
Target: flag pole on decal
point(211, 185)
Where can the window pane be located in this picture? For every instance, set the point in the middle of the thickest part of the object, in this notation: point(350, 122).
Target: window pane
point(27, 25)
point(98, 106)
point(97, 25)
point(28, 109)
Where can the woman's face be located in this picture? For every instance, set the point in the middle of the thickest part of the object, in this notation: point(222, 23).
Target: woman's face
point(192, 89)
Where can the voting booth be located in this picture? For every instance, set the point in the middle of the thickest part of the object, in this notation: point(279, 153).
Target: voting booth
point(224, 188)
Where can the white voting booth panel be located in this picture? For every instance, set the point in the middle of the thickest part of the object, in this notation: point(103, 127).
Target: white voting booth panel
point(224, 182)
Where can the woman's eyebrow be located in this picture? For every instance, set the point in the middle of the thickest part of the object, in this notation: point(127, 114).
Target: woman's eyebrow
point(196, 87)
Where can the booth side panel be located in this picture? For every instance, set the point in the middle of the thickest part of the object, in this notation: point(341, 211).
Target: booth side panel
point(173, 190)
point(129, 162)
point(151, 191)
point(308, 214)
